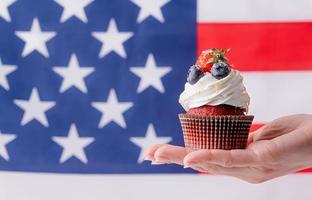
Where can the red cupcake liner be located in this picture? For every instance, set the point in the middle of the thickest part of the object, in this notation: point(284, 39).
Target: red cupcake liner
point(215, 132)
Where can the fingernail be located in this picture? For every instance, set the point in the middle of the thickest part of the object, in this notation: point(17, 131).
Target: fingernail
point(156, 163)
point(149, 158)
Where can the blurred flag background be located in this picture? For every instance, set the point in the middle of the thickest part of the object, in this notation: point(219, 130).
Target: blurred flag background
point(87, 85)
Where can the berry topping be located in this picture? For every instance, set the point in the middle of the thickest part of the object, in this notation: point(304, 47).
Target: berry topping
point(220, 70)
point(194, 74)
point(211, 56)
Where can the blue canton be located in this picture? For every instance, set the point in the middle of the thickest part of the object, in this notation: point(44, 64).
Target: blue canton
point(86, 86)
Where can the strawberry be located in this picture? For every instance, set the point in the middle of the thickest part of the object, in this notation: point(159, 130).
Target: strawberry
point(209, 57)
point(203, 61)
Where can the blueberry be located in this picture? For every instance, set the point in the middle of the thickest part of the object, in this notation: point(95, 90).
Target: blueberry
point(220, 70)
point(194, 74)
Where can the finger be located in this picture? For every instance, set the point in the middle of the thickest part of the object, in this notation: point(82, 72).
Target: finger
point(272, 130)
point(250, 139)
point(149, 154)
point(252, 134)
point(170, 154)
point(225, 158)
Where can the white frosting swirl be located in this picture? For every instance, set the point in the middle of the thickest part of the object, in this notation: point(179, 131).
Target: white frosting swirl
point(210, 91)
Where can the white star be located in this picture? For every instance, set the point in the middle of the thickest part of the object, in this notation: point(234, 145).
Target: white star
point(150, 139)
point(4, 140)
point(34, 108)
point(112, 110)
point(4, 71)
point(35, 39)
point(73, 145)
point(73, 75)
point(74, 8)
point(150, 75)
point(4, 12)
point(112, 40)
point(150, 8)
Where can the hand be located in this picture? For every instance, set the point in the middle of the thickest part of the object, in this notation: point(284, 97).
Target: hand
point(280, 147)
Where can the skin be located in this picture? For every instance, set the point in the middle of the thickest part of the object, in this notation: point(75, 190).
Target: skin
point(280, 147)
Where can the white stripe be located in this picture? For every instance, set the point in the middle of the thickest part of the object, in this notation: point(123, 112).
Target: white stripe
point(253, 10)
point(17, 186)
point(275, 94)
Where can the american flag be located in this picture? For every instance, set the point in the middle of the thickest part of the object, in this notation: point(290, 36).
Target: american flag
point(86, 86)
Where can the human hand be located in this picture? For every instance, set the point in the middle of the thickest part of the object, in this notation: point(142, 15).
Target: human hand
point(280, 147)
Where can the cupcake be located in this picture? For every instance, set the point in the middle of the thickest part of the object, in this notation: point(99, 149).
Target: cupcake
point(216, 104)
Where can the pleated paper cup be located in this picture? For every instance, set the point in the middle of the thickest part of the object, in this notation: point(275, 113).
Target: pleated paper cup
point(215, 132)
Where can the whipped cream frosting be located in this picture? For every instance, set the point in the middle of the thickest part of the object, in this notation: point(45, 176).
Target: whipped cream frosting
point(211, 91)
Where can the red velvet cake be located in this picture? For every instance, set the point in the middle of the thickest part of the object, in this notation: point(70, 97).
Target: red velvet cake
point(216, 101)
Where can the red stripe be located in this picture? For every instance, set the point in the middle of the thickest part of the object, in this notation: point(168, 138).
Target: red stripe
point(309, 170)
point(255, 127)
point(261, 46)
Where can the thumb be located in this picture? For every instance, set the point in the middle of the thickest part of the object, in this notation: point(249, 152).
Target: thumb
point(253, 136)
point(267, 132)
